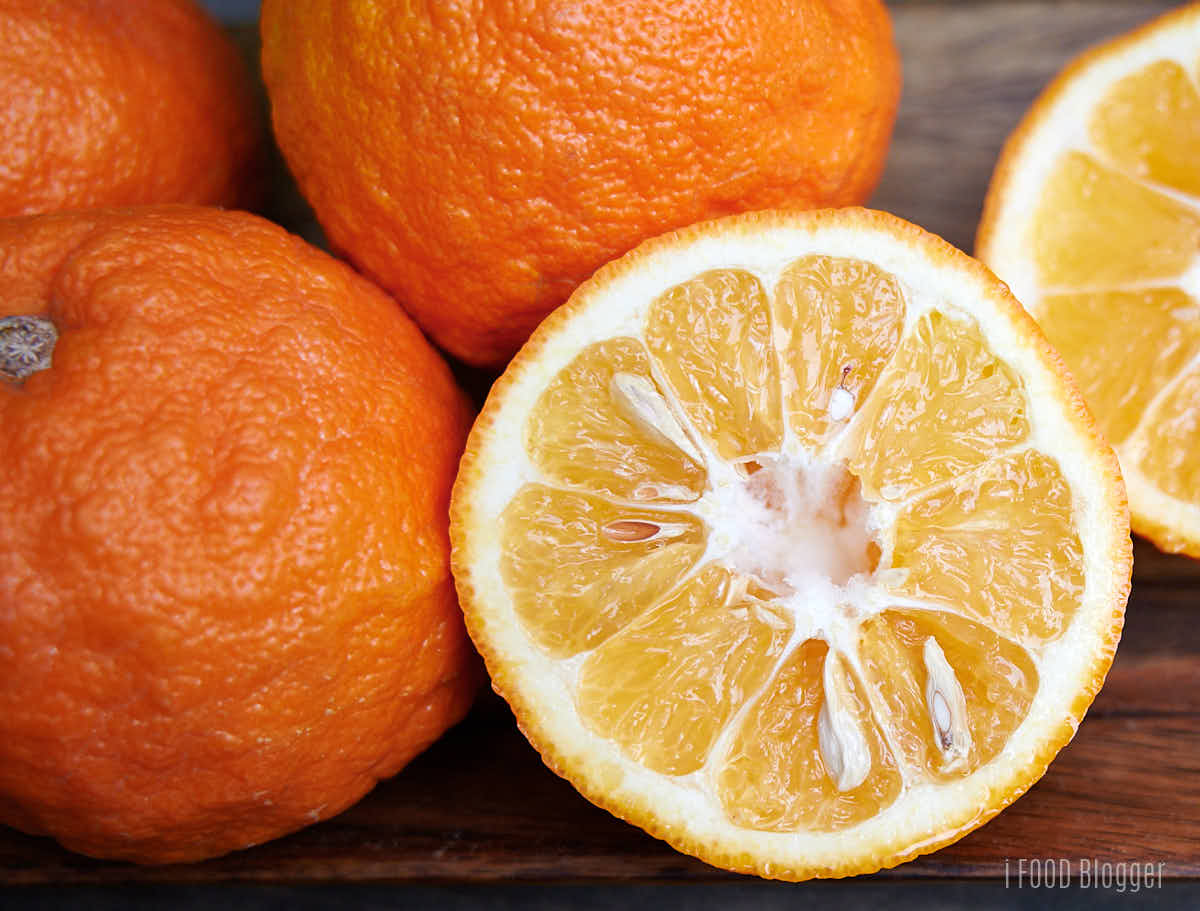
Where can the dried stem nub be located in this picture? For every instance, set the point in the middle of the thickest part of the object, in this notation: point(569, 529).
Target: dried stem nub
point(26, 346)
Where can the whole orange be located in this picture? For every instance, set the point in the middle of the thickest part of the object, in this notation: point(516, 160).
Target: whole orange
point(122, 102)
point(226, 609)
point(480, 158)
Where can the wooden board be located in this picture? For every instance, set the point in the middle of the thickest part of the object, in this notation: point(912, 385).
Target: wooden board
point(480, 806)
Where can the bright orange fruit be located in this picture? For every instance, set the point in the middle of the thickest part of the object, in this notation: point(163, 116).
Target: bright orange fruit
point(480, 160)
point(122, 102)
point(226, 609)
point(789, 539)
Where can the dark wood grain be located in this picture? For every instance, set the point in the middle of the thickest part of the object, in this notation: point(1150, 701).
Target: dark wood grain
point(480, 806)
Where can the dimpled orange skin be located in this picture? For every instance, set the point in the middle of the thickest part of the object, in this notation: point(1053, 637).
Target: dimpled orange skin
point(225, 601)
point(122, 102)
point(480, 160)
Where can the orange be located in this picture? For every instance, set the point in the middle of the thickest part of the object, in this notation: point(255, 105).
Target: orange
point(226, 608)
point(122, 102)
point(1093, 218)
point(480, 159)
point(789, 539)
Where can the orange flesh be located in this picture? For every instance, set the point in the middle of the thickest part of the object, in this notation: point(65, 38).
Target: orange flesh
point(1173, 439)
point(1155, 335)
point(963, 547)
point(775, 777)
point(1086, 219)
point(1114, 231)
point(577, 415)
point(996, 674)
point(1149, 126)
point(712, 337)
point(840, 320)
point(577, 575)
point(696, 660)
point(950, 406)
point(652, 688)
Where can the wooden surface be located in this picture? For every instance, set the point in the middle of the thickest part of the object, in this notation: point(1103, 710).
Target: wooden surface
point(480, 806)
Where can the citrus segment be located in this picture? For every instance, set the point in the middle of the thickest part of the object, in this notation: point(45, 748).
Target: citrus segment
point(712, 339)
point(1093, 218)
point(778, 778)
point(870, 623)
point(954, 689)
point(1000, 544)
point(837, 322)
point(1149, 126)
point(665, 686)
point(598, 406)
point(580, 567)
point(1165, 451)
point(1096, 227)
point(944, 405)
point(1122, 364)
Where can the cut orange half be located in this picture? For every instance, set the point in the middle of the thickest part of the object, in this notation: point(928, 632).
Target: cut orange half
point(788, 540)
point(1093, 218)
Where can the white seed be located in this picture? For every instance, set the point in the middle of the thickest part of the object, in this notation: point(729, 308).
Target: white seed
point(843, 747)
point(642, 404)
point(841, 404)
point(947, 706)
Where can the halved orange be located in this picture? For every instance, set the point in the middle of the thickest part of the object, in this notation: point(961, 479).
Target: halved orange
point(1093, 218)
point(788, 539)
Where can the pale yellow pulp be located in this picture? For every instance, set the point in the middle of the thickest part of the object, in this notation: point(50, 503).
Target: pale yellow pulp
point(1115, 232)
point(817, 452)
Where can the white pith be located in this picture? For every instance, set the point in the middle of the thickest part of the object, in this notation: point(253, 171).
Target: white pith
point(926, 812)
point(778, 525)
point(1061, 127)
